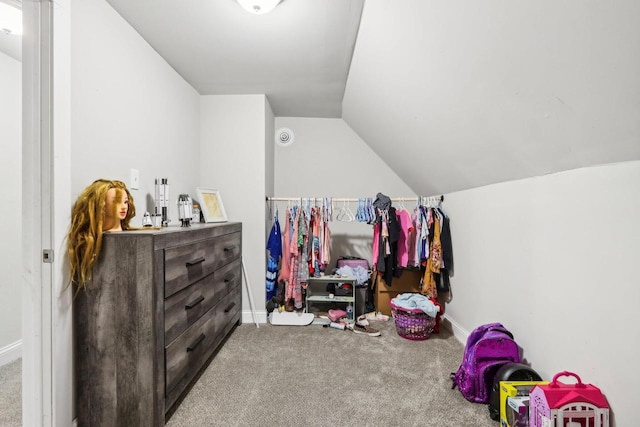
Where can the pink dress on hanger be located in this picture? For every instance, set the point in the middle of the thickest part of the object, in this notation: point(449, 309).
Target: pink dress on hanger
point(285, 268)
point(406, 227)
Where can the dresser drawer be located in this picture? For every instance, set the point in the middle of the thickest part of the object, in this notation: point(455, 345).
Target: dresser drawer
point(189, 263)
point(187, 353)
point(185, 307)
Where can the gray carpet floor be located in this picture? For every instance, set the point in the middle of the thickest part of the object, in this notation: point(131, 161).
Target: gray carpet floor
point(314, 376)
point(11, 394)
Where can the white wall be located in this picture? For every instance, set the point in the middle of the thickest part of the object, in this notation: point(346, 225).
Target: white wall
point(130, 110)
point(10, 209)
point(553, 258)
point(232, 160)
point(234, 149)
point(328, 159)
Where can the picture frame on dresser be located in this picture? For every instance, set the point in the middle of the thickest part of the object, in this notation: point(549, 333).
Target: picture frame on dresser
point(211, 205)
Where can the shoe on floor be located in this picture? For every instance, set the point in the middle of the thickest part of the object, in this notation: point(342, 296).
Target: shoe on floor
point(376, 316)
point(380, 316)
point(362, 319)
point(359, 328)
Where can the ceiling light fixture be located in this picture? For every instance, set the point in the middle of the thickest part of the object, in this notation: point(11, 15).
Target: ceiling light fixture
point(258, 7)
point(10, 19)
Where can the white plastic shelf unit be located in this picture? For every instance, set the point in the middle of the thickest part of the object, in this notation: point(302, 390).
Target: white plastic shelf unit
point(316, 296)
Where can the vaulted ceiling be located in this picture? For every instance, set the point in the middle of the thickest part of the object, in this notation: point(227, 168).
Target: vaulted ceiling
point(450, 94)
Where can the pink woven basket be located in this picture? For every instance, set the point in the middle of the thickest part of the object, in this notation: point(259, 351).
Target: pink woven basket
point(412, 323)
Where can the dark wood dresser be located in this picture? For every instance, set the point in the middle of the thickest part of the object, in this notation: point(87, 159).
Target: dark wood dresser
point(159, 305)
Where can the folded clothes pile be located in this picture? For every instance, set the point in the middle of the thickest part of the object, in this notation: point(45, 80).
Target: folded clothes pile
point(360, 273)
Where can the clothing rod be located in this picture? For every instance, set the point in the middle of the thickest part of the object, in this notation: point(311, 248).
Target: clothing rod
point(351, 199)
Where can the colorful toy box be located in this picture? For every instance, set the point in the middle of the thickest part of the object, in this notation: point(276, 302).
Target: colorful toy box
point(513, 389)
point(567, 405)
point(517, 411)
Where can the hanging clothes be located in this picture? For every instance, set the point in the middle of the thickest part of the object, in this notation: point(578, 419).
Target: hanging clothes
point(305, 252)
point(421, 239)
point(300, 255)
point(285, 266)
point(434, 262)
point(274, 252)
point(446, 268)
point(438, 264)
point(386, 258)
point(414, 253)
point(326, 247)
point(293, 290)
point(314, 241)
point(406, 237)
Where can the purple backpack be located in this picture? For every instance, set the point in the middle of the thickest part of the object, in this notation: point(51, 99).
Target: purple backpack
point(488, 347)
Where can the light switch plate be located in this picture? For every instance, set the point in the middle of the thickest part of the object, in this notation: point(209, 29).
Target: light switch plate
point(135, 179)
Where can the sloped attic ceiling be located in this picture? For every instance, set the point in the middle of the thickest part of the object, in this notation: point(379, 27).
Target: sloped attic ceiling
point(451, 94)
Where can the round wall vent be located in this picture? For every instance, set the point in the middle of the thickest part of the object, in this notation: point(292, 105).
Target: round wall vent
point(284, 137)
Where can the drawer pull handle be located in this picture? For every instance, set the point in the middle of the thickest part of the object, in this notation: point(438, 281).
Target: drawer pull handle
point(194, 303)
point(196, 343)
point(228, 280)
point(229, 307)
point(228, 249)
point(195, 261)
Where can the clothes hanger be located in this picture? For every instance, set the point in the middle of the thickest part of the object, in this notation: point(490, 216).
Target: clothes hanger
point(328, 209)
point(270, 207)
point(341, 214)
point(351, 217)
point(359, 215)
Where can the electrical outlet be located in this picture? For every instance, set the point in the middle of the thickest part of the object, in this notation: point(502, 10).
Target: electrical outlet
point(135, 179)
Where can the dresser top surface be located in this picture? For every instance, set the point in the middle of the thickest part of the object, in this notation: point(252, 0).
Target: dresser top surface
point(176, 228)
point(175, 234)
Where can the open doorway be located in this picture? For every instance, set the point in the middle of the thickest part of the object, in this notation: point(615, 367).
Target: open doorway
point(37, 297)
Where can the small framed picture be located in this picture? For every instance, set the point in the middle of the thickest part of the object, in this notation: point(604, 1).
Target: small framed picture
point(211, 205)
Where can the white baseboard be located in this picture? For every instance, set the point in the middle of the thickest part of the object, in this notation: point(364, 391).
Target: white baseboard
point(261, 317)
point(10, 352)
point(458, 331)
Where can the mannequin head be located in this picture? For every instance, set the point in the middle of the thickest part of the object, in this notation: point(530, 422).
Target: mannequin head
point(116, 208)
point(103, 206)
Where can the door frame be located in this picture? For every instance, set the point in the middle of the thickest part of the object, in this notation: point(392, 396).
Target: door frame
point(47, 382)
